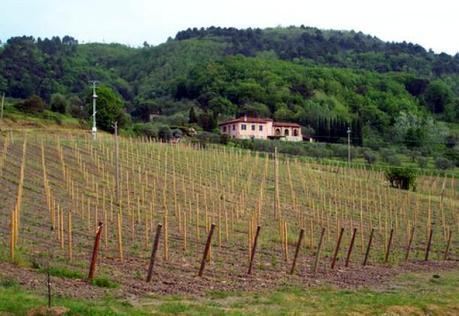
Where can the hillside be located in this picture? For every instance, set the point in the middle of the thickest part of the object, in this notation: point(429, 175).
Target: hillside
point(57, 189)
point(391, 94)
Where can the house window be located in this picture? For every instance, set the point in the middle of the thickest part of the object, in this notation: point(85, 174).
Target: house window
point(260, 128)
point(253, 127)
point(278, 131)
point(243, 127)
point(234, 127)
point(286, 132)
point(224, 128)
point(295, 132)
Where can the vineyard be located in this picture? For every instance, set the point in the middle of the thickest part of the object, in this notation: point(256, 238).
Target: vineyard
point(222, 218)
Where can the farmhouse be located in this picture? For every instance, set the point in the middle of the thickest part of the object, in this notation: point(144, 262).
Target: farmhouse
point(261, 128)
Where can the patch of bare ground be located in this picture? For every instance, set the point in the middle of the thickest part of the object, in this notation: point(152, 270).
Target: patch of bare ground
point(169, 282)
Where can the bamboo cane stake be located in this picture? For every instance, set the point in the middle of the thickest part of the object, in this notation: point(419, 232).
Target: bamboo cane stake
point(69, 235)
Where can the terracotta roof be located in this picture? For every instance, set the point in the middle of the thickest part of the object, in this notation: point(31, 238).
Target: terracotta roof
point(247, 120)
point(285, 124)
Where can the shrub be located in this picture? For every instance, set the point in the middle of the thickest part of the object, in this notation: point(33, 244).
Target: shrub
point(452, 154)
point(390, 156)
point(148, 130)
point(224, 139)
point(34, 104)
point(165, 133)
point(58, 103)
point(402, 178)
point(443, 163)
point(370, 156)
point(423, 161)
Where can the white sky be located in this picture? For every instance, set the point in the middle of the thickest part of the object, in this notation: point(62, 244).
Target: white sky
point(433, 24)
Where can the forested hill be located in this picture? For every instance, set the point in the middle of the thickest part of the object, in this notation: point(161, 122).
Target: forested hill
point(335, 48)
point(324, 80)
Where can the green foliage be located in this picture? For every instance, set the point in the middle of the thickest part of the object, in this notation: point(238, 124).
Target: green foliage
point(370, 156)
point(32, 105)
point(109, 108)
point(63, 272)
point(438, 95)
point(326, 81)
point(58, 103)
point(104, 282)
point(401, 178)
point(192, 118)
point(443, 163)
point(423, 162)
point(165, 133)
point(207, 121)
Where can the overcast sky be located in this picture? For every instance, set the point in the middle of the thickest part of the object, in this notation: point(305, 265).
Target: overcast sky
point(431, 23)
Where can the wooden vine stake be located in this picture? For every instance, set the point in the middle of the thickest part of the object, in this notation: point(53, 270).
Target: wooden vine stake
point(120, 235)
point(386, 258)
point(410, 241)
point(351, 246)
point(153, 253)
point(92, 267)
point(15, 214)
point(338, 243)
point(367, 253)
point(69, 235)
point(206, 250)
point(448, 243)
point(252, 255)
point(297, 250)
point(319, 247)
point(429, 244)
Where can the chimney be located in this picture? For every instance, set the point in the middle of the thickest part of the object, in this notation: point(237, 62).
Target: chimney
point(245, 117)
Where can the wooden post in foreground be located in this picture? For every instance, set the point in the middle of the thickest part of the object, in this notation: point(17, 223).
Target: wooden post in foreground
point(447, 247)
point(386, 258)
point(319, 246)
point(297, 250)
point(206, 250)
point(351, 246)
point(92, 267)
point(153, 253)
point(408, 248)
point(367, 253)
point(429, 244)
point(254, 248)
point(338, 243)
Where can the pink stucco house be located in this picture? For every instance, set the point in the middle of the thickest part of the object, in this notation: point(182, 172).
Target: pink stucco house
point(261, 128)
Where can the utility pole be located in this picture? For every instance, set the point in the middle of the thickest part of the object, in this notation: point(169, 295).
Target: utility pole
point(94, 97)
point(3, 103)
point(349, 145)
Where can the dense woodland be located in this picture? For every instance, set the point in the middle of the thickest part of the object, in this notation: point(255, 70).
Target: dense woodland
point(390, 94)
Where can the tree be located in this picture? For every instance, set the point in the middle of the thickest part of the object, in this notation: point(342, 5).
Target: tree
point(165, 133)
point(76, 107)
point(369, 156)
point(3, 84)
point(442, 163)
point(59, 103)
point(33, 105)
point(109, 108)
point(401, 178)
point(437, 96)
point(192, 118)
point(207, 121)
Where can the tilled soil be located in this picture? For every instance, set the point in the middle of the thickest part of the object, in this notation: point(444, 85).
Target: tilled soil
point(166, 282)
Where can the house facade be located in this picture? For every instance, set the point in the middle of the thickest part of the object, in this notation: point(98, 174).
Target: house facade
point(261, 128)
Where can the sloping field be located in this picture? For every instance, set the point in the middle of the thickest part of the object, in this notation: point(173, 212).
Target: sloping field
point(55, 188)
